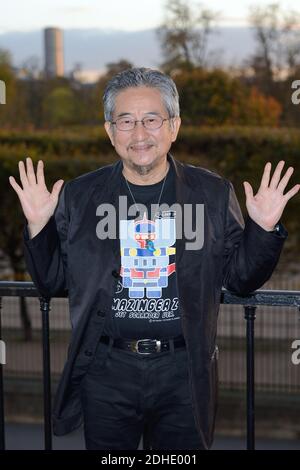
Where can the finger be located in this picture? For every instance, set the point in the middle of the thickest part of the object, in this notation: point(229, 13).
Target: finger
point(30, 171)
point(276, 176)
point(16, 186)
point(40, 173)
point(248, 190)
point(292, 192)
point(282, 184)
point(266, 176)
point(56, 188)
point(23, 175)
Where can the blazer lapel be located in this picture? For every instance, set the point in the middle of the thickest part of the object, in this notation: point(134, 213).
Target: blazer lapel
point(109, 194)
point(185, 194)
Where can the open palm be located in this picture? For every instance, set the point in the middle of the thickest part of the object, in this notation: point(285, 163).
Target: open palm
point(267, 206)
point(37, 202)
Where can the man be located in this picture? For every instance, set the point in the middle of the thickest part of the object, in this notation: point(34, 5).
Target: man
point(144, 301)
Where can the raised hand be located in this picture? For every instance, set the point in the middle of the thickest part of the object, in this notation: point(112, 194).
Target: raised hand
point(267, 206)
point(37, 202)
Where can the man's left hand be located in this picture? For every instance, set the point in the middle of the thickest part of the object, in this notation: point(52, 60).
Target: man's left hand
point(267, 206)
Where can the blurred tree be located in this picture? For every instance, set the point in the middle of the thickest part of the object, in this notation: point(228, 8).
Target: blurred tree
point(30, 93)
point(216, 98)
point(256, 109)
point(6, 69)
point(59, 107)
point(276, 62)
point(7, 74)
point(184, 35)
point(112, 68)
point(278, 44)
point(31, 68)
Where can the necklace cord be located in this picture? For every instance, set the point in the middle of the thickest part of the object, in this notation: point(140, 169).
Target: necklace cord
point(161, 191)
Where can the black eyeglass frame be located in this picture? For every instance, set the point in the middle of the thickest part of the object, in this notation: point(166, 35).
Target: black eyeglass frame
point(142, 121)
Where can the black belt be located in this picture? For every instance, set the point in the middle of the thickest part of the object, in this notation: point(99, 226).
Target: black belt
point(145, 346)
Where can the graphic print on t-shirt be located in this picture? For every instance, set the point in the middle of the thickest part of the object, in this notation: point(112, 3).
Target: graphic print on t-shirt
point(146, 247)
point(145, 302)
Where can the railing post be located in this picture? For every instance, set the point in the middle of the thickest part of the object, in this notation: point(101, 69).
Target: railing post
point(2, 423)
point(250, 317)
point(45, 308)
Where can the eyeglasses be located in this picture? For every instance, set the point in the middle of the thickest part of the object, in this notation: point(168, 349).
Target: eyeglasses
point(150, 122)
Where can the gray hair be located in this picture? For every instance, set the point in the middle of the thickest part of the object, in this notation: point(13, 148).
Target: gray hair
point(136, 77)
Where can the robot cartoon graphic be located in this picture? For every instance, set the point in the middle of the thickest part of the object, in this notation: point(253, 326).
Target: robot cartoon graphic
point(146, 246)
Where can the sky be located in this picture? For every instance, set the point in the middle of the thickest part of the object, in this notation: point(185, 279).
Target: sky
point(126, 15)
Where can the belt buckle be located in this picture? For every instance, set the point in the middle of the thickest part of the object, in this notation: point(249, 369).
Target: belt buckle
point(135, 345)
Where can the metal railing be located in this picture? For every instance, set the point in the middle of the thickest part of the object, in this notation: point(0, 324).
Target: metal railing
point(281, 298)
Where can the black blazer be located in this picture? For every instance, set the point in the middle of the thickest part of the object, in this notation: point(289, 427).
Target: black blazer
point(67, 254)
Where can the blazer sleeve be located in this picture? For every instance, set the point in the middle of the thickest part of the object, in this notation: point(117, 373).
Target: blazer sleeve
point(251, 253)
point(46, 253)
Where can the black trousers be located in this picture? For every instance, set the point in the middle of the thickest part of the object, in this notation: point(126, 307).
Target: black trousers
point(124, 392)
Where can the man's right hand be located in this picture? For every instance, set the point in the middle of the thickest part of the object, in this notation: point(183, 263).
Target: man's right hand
point(37, 203)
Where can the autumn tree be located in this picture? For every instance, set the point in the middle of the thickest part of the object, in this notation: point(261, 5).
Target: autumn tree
point(213, 97)
point(276, 61)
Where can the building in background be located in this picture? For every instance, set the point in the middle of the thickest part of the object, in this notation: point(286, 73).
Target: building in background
point(54, 52)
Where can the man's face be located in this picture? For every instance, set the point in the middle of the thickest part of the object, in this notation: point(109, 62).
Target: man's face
point(142, 149)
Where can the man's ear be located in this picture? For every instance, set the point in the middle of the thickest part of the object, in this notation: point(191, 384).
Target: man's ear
point(175, 124)
point(109, 129)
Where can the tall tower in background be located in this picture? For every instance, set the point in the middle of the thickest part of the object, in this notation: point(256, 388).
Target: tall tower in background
point(54, 52)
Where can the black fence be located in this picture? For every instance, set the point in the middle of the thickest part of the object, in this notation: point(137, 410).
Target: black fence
point(232, 335)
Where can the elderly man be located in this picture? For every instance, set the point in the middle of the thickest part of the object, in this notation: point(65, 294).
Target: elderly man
point(143, 297)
